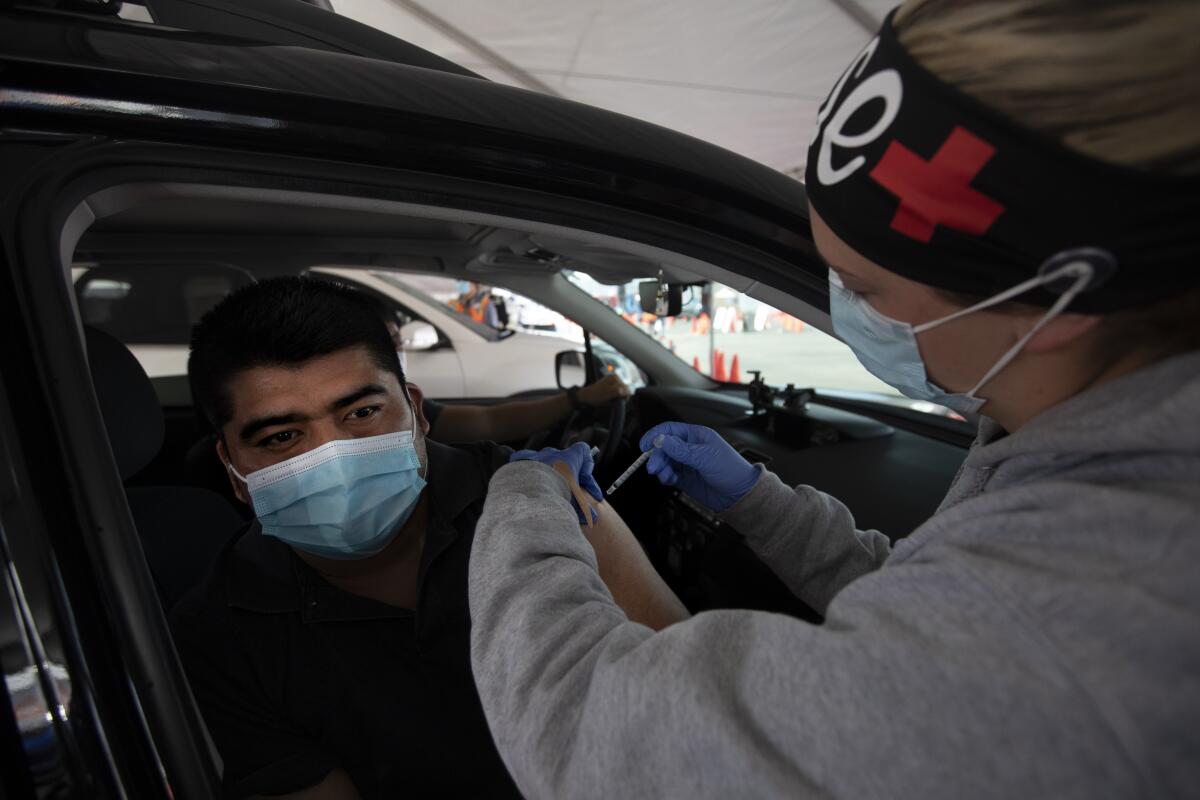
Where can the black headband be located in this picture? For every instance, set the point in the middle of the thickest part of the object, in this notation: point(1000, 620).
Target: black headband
point(933, 185)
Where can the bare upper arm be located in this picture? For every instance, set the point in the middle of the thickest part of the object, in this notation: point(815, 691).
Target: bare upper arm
point(624, 567)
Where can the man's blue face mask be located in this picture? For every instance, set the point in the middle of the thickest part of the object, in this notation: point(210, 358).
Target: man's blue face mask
point(345, 499)
point(888, 347)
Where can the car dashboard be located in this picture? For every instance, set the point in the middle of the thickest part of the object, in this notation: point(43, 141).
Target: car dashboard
point(892, 480)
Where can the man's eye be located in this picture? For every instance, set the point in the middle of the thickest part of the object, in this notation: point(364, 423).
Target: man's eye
point(276, 439)
point(365, 412)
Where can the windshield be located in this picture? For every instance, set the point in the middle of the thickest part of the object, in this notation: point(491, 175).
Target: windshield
point(727, 335)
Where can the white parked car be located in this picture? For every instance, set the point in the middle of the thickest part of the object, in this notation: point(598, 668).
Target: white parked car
point(448, 354)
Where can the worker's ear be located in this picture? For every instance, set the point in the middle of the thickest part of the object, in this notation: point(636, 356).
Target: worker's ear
point(417, 396)
point(239, 488)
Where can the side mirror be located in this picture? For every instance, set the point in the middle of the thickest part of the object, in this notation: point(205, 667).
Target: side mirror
point(569, 370)
point(419, 336)
point(661, 299)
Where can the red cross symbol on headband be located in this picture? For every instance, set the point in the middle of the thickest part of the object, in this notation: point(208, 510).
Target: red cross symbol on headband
point(938, 191)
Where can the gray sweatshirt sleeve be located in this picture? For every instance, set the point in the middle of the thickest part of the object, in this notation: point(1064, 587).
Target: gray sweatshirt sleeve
point(901, 693)
point(807, 538)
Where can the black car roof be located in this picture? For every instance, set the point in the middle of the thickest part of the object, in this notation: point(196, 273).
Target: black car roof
point(296, 76)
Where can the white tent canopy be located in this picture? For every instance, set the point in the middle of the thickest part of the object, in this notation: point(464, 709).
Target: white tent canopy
point(747, 76)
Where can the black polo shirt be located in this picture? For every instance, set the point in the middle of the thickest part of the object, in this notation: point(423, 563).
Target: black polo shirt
point(296, 677)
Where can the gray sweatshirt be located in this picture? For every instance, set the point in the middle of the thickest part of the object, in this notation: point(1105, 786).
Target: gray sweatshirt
point(1039, 636)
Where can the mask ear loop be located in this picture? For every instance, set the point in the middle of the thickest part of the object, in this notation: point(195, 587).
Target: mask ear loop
point(1083, 272)
point(1074, 268)
point(412, 410)
point(236, 474)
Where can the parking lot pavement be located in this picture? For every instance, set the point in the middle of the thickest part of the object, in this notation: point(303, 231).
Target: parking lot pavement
point(806, 358)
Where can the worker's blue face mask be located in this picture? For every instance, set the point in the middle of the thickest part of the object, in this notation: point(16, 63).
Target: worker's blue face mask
point(888, 347)
point(463, 287)
point(345, 499)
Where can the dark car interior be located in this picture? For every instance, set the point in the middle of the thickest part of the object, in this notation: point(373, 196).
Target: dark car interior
point(888, 470)
point(182, 527)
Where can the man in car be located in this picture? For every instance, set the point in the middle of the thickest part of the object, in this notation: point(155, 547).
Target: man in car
point(503, 422)
point(328, 647)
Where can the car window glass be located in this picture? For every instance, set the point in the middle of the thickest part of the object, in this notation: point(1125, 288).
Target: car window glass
point(152, 305)
point(725, 334)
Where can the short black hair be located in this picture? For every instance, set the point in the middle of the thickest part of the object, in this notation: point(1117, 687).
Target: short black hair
point(280, 322)
point(378, 307)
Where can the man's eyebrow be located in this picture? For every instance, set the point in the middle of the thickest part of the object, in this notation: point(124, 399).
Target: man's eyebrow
point(356, 395)
point(255, 425)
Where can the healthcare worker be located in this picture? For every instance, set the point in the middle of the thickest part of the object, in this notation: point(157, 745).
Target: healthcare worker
point(1006, 193)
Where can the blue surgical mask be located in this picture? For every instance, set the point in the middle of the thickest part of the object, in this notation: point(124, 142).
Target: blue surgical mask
point(888, 347)
point(345, 499)
point(463, 287)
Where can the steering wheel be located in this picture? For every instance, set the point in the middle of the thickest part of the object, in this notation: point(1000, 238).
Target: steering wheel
point(585, 426)
point(607, 436)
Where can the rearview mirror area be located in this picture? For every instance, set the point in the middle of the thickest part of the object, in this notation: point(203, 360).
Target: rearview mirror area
point(661, 299)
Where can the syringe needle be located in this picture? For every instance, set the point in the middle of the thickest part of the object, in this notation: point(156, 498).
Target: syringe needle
point(642, 459)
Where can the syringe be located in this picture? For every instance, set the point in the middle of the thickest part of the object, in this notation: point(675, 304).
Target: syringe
point(642, 459)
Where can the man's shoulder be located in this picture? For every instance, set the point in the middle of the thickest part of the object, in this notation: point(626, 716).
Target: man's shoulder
point(202, 616)
point(211, 587)
point(459, 477)
point(488, 456)
point(252, 572)
point(467, 466)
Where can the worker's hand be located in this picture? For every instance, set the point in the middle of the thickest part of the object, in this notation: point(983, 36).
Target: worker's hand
point(701, 463)
point(610, 387)
point(575, 466)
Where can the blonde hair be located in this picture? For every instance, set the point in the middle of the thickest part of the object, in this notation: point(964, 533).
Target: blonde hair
point(1118, 80)
point(1115, 79)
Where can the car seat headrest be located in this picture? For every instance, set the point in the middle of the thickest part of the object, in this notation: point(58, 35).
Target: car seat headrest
point(132, 415)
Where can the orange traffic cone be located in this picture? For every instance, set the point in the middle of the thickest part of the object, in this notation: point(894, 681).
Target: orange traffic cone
point(696, 363)
point(719, 370)
point(735, 371)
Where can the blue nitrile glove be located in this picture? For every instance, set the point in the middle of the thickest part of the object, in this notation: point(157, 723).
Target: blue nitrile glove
point(579, 458)
point(701, 463)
